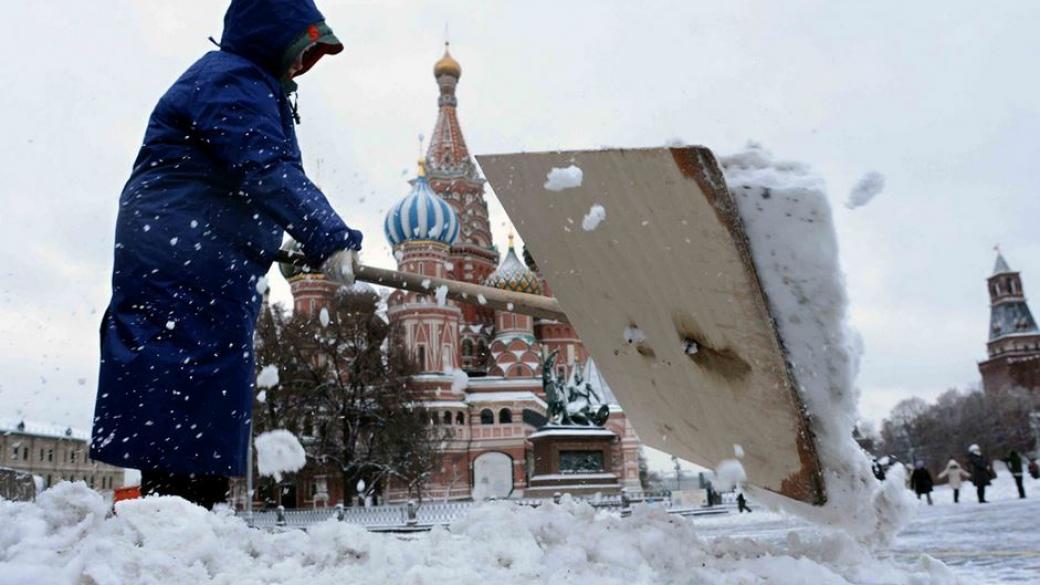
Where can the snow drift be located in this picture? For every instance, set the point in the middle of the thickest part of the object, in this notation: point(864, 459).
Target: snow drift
point(65, 538)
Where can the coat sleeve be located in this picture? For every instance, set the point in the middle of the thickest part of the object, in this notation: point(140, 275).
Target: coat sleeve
point(240, 118)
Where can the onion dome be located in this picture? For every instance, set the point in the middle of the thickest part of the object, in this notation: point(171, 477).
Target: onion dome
point(447, 65)
point(422, 215)
point(513, 275)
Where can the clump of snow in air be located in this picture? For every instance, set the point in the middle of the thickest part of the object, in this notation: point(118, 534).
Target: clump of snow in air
point(481, 299)
point(261, 396)
point(566, 178)
point(268, 377)
point(278, 452)
point(425, 283)
point(794, 247)
point(459, 380)
point(634, 334)
point(262, 286)
point(323, 317)
point(68, 537)
point(593, 218)
point(729, 474)
point(868, 186)
point(441, 292)
point(738, 451)
point(171, 324)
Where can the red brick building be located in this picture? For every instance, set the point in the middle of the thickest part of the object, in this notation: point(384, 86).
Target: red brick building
point(1014, 340)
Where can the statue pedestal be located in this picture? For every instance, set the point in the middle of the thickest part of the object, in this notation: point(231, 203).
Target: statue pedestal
point(573, 460)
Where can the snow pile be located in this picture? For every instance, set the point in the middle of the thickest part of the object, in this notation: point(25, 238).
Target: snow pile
point(65, 539)
point(441, 293)
point(459, 380)
point(268, 377)
point(795, 250)
point(278, 452)
point(566, 178)
point(593, 218)
point(865, 189)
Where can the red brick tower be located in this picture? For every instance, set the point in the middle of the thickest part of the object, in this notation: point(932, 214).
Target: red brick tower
point(453, 175)
point(557, 336)
point(1014, 339)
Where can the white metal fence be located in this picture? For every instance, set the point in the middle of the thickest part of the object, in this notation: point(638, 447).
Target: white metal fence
point(413, 516)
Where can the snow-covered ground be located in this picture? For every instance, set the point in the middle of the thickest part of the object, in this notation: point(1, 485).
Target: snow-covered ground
point(997, 542)
point(66, 538)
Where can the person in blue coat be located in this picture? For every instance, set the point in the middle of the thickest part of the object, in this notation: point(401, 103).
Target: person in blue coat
point(217, 182)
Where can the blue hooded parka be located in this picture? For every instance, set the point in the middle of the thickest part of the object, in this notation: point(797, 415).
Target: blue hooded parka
point(216, 182)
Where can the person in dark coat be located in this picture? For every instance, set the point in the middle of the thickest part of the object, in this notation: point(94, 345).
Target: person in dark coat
point(216, 182)
point(1014, 465)
point(742, 504)
point(921, 482)
point(980, 472)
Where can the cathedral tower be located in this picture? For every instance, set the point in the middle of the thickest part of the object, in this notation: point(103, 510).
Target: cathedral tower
point(421, 228)
point(454, 177)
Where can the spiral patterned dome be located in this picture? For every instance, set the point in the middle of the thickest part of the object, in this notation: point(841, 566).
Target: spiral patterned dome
point(422, 215)
point(513, 275)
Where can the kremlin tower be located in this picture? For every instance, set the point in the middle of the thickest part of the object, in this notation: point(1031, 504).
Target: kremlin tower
point(1014, 340)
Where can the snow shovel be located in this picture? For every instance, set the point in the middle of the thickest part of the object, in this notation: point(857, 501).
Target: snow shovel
point(665, 297)
point(661, 287)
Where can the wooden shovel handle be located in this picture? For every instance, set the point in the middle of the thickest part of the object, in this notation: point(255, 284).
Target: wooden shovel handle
point(463, 292)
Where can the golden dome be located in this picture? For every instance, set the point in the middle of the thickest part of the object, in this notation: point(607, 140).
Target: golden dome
point(447, 65)
point(513, 275)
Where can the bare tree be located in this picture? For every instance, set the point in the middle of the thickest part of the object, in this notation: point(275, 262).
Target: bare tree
point(344, 388)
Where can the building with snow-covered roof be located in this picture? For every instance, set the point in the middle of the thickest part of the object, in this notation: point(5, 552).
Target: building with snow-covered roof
point(1013, 344)
point(54, 453)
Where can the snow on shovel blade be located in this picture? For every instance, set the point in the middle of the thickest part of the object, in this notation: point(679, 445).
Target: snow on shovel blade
point(648, 257)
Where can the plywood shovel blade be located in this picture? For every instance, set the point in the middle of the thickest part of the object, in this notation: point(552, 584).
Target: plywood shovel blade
point(664, 294)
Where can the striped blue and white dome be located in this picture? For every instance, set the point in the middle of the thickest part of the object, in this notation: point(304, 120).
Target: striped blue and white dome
point(422, 215)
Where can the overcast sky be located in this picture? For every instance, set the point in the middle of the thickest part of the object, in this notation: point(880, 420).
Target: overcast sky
point(939, 97)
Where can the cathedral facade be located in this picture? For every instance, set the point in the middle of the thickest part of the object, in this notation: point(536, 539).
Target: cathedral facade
point(480, 369)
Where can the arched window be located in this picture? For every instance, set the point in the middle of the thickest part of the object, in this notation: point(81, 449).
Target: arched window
point(421, 357)
point(467, 347)
point(447, 417)
point(460, 419)
point(505, 417)
point(482, 352)
point(487, 417)
point(434, 419)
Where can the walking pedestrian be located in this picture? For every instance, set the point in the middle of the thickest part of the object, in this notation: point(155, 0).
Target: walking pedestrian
point(956, 475)
point(742, 504)
point(980, 471)
point(921, 481)
point(1014, 464)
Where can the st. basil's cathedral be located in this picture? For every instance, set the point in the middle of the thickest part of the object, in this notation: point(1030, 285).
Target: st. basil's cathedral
point(441, 229)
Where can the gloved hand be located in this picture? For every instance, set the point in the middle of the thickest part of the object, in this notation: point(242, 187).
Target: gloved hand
point(339, 267)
